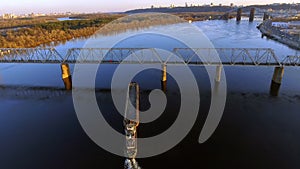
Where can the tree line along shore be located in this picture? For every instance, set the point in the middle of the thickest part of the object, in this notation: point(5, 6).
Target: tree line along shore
point(20, 33)
point(43, 31)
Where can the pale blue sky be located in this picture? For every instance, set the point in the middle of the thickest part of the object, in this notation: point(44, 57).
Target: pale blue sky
point(47, 6)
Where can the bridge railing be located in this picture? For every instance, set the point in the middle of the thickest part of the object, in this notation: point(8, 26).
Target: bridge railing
point(112, 55)
point(30, 55)
point(205, 56)
point(229, 56)
point(291, 61)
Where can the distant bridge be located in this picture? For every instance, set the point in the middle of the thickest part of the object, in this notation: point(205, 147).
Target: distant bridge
point(239, 13)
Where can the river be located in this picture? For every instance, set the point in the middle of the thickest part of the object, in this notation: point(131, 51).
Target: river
point(256, 130)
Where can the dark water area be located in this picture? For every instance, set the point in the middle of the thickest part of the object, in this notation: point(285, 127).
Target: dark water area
point(39, 127)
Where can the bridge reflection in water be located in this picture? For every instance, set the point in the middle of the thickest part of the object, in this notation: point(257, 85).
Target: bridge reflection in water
point(24, 92)
point(217, 57)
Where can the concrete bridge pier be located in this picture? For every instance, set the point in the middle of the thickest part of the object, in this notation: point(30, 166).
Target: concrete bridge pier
point(252, 13)
point(239, 15)
point(276, 81)
point(218, 73)
point(266, 16)
point(226, 16)
point(66, 76)
point(164, 78)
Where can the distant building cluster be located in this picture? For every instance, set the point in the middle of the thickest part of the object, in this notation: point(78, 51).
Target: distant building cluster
point(31, 15)
point(9, 16)
point(280, 10)
point(292, 28)
point(14, 16)
point(285, 13)
point(231, 5)
point(192, 5)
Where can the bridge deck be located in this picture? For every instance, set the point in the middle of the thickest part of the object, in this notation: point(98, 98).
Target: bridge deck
point(176, 56)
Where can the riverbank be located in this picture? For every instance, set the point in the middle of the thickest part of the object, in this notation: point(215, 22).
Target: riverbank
point(45, 33)
point(275, 33)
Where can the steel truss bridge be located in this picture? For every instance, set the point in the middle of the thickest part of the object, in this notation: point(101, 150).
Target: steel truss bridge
point(177, 56)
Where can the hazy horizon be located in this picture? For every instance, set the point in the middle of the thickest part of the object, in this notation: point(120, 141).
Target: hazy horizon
point(90, 6)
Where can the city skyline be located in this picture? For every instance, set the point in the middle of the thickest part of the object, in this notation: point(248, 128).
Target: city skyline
point(91, 6)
